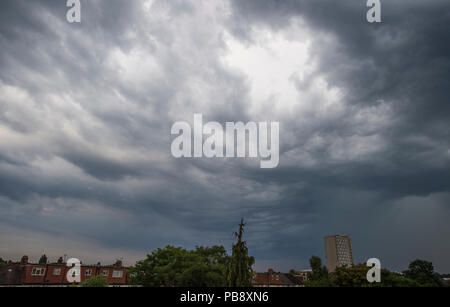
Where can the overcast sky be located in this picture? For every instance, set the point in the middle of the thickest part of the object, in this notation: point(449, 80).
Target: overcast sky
point(86, 111)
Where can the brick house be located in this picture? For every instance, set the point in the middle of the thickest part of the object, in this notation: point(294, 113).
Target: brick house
point(301, 275)
point(276, 279)
point(25, 273)
point(11, 274)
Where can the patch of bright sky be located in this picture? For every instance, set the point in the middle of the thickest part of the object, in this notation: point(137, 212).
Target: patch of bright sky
point(271, 64)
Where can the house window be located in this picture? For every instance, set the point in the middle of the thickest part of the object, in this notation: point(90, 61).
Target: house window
point(56, 272)
point(105, 273)
point(88, 272)
point(38, 272)
point(117, 274)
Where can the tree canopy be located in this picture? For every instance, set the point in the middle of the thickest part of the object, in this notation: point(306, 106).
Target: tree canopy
point(178, 267)
point(95, 282)
point(420, 274)
point(240, 272)
point(356, 276)
point(423, 273)
point(43, 259)
point(319, 275)
point(3, 262)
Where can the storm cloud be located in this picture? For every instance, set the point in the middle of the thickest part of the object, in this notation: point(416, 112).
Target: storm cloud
point(86, 111)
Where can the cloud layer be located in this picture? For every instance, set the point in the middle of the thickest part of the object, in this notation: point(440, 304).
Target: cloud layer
point(86, 111)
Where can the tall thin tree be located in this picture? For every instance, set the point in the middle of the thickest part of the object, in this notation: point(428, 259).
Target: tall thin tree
point(240, 273)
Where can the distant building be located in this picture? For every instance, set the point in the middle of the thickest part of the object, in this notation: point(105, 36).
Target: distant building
point(338, 251)
point(25, 273)
point(302, 275)
point(276, 279)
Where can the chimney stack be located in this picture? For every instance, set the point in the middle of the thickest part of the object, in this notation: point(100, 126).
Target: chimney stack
point(24, 260)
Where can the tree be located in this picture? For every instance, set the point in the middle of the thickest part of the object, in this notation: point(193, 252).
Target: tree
point(319, 275)
point(392, 279)
point(95, 282)
point(353, 276)
point(423, 273)
point(356, 276)
point(178, 267)
point(3, 262)
point(207, 269)
point(240, 273)
point(318, 271)
point(43, 259)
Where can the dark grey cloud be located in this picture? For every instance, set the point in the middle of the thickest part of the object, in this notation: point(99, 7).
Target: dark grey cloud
point(86, 111)
point(400, 65)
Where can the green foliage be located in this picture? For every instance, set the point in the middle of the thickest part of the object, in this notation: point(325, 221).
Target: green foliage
point(423, 273)
point(239, 272)
point(391, 279)
point(356, 276)
point(318, 271)
point(319, 275)
point(3, 262)
point(43, 259)
point(95, 282)
point(178, 267)
point(202, 267)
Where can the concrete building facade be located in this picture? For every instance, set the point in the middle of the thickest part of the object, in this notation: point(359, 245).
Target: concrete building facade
point(338, 251)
